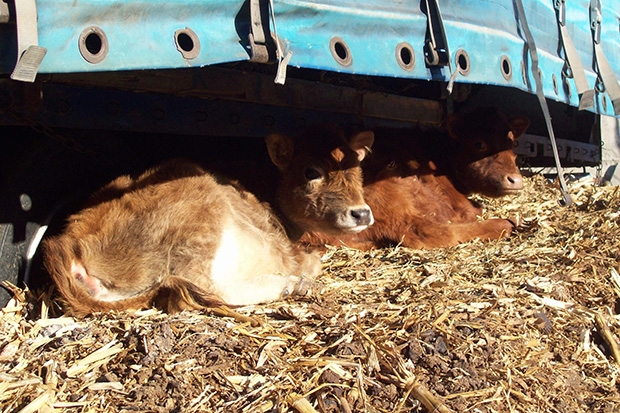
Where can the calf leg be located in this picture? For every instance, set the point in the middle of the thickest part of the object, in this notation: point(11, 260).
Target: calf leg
point(309, 263)
point(437, 236)
point(489, 229)
point(261, 289)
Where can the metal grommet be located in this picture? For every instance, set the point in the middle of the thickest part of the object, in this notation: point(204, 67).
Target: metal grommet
point(463, 63)
point(187, 43)
point(506, 67)
point(405, 56)
point(93, 44)
point(340, 51)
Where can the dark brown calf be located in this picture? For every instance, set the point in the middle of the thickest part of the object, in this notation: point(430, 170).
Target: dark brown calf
point(417, 183)
point(181, 238)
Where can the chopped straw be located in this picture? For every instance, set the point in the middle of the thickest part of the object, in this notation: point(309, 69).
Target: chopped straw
point(525, 324)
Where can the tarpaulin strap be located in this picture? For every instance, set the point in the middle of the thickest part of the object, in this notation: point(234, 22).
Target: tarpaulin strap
point(436, 45)
point(283, 58)
point(573, 62)
point(260, 44)
point(436, 51)
point(29, 53)
point(605, 72)
point(258, 40)
point(4, 12)
point(531, 45)
point(451, 80)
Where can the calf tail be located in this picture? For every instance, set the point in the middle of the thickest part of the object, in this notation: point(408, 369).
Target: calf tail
point(172, 294)
point(176, 294)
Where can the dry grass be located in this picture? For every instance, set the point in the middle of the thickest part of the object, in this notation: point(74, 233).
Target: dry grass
point(527, 324)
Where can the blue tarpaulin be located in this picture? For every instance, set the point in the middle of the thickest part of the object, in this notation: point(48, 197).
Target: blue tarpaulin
point(483, 39)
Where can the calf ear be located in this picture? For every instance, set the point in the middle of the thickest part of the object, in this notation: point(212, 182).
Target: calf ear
point(519, 126)
point(280, 148)
point(361, 143)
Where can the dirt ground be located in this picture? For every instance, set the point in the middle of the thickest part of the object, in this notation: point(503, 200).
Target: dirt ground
point(526, 324)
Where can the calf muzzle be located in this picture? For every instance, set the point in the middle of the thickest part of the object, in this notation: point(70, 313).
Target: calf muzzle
point(356, 219)
point(513, 182)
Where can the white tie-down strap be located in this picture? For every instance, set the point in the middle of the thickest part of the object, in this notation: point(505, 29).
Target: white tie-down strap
point(283, 58)
point(586, 95)
point(605, 72)
point(531, 45)
point(573, 67)
point(29, 53)
point(282, 62)
point(609, 79)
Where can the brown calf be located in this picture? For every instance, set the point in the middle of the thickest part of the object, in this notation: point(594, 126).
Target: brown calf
point(417, 183)
point(178, 237)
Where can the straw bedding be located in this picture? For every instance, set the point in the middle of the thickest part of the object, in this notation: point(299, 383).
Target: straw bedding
point(526, 324)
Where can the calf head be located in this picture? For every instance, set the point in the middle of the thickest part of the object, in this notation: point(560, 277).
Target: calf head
point(320, 186)
point(482, 157)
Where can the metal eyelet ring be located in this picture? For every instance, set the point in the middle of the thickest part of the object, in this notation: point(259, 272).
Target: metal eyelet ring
point(405, 56)
point(463, 63)
point(505, 67)
point(340, 51)
point(93, 44)
point(187, 43)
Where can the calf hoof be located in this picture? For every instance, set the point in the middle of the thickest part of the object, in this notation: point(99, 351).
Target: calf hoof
point(305, 286)
point(521, 224)
point(528, 224)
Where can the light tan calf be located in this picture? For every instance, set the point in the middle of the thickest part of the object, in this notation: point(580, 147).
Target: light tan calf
point(178, 237)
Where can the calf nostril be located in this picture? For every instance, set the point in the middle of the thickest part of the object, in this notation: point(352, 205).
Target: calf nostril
point(515, 181)
point(361, 216)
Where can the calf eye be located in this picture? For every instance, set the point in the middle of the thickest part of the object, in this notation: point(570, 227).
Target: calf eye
point(480, 146)
point(312, 173)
